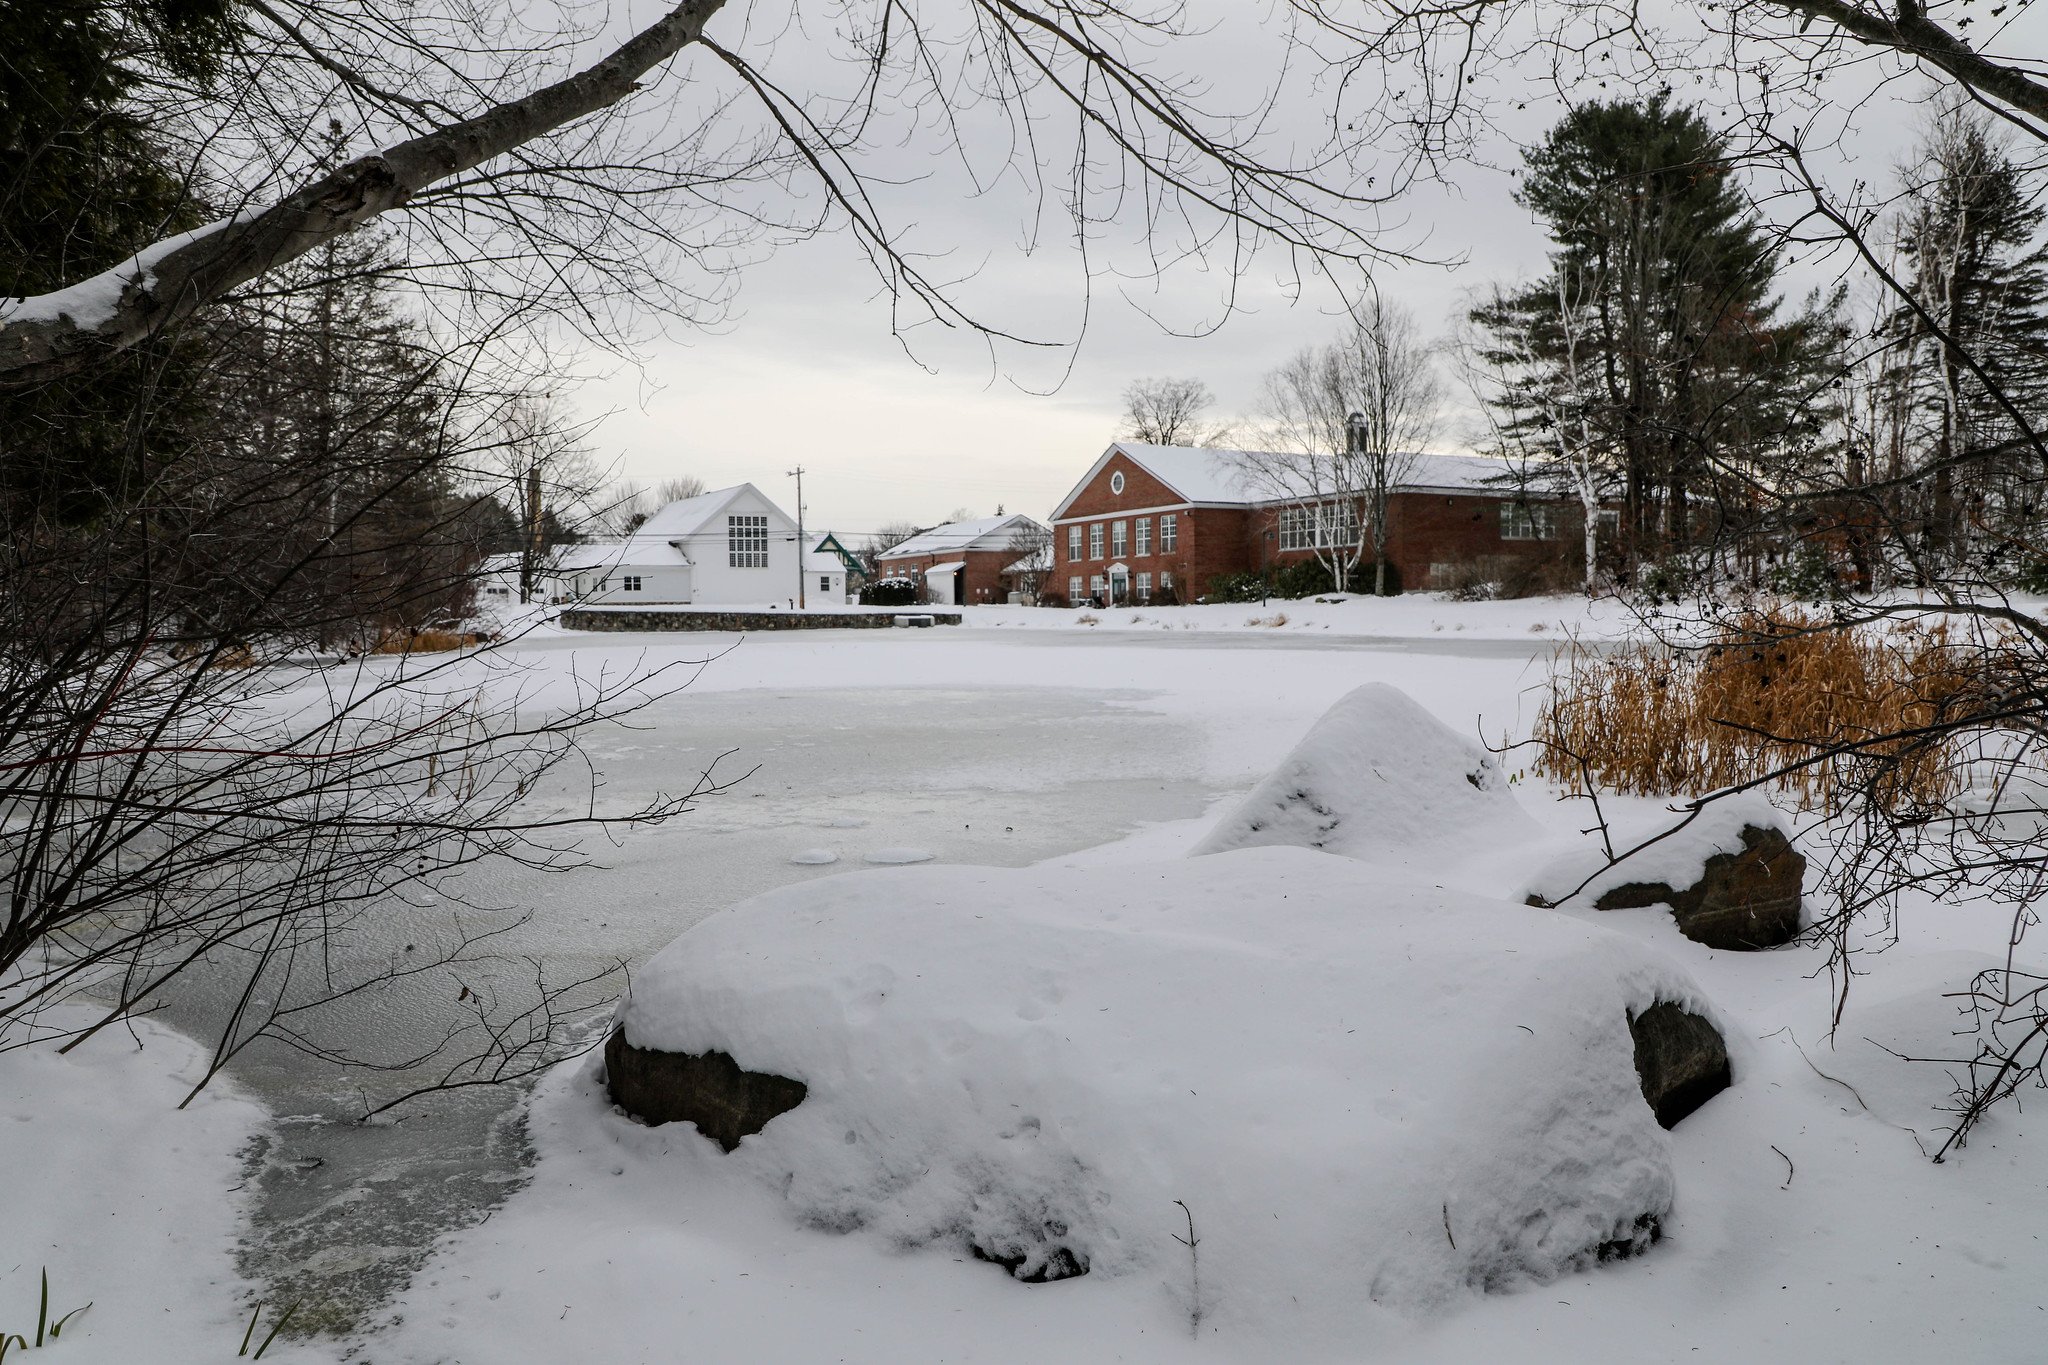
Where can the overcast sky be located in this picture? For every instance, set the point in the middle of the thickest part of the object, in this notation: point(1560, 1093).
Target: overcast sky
point(808, 372)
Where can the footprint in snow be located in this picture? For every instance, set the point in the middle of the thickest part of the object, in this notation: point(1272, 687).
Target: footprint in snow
point(814, 857)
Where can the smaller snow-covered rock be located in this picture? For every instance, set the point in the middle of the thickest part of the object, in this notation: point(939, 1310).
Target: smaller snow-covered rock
point(1380, 779)
point(814, 857)
point(1731, 876)
point(899, 857)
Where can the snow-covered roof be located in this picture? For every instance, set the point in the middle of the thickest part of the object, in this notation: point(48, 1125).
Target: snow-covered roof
point(818, 560)
point(983, 533)
point(1464, 473)
point(681, 520)
point(1215, 477)
point(596, 555)
point(940, 570)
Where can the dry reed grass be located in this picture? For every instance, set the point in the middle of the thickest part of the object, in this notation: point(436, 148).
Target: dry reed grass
point(1776, 689)
point(427, 641)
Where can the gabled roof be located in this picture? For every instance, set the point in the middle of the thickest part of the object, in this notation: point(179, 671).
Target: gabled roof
point(681, 520)
point(829, 544)
point(984, 533)
point(1227, 478)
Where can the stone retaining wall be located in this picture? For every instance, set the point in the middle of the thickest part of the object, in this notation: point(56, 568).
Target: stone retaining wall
point(587, 619)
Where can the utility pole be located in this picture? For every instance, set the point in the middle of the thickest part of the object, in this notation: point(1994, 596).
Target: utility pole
point(801, 544)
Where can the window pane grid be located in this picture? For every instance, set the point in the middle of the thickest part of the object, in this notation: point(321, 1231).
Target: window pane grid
point(747, 541)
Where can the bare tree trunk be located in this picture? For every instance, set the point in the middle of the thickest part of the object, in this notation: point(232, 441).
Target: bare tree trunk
point(56, 335)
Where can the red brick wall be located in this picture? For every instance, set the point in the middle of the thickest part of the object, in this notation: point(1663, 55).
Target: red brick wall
point(1140, 490)
point(1424, 530)
point(981, 581)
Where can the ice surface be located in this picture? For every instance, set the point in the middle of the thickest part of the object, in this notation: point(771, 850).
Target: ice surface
point(899, 857)
point(1378, 778)
point(1365, 1090)
point(814, 857)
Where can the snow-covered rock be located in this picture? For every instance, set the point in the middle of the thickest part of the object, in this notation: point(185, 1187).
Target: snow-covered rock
point(1381, 779)
point(1730, 874)
point(1360, 1088)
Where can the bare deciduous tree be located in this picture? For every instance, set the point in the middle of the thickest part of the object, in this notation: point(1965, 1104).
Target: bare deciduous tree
point(678, 488)
point(1344, 424)
point(544, 469)
point(1030, 552)
point(1169, 412)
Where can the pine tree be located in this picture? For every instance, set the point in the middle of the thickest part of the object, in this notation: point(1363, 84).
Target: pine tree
point(84, 184)
point(330, 393)
point(1654, 332)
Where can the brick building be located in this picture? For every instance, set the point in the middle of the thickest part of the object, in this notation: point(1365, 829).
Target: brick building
point(1163, 521)
point(962, 561)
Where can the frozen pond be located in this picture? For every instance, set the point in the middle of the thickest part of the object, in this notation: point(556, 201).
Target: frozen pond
point(970, 749)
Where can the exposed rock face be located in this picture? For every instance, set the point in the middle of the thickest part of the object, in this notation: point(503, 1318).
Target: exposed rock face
point(712, 1091)
point(1680, 1059)
point(1743, 900)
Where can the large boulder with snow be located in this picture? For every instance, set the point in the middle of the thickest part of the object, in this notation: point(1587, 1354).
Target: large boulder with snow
point(1731, 876)
point(1377, 778)
point(1359, 1087)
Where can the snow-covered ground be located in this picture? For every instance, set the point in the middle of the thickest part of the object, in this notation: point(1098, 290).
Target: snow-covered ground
point(1806, 1224)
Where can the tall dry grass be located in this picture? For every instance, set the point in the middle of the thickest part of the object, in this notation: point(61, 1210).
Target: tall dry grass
point(427, 641)
point(1784, 692)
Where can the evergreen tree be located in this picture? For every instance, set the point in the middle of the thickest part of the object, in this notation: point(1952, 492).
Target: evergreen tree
point(1654, 333)
point(84, 184)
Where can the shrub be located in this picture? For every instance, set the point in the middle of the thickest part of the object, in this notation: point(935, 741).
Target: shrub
point(1237, 587)
point(1808, 574)
point(889, 592)
point(1493, 577)
point(1770, 690)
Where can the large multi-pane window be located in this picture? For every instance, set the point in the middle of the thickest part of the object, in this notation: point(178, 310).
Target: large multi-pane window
point(1166, 582)
point(1119, 539)
point(1073, 542)
point(746, 541)
point(1144, 543)
point(1144, 587)
point(1095, 584)
point(1523, 521)
point(1074, 591)
point(1319, 525)
point(1169, 533)
point(1095, 540)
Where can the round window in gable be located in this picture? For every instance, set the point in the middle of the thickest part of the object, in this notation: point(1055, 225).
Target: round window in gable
point(1116, 482)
